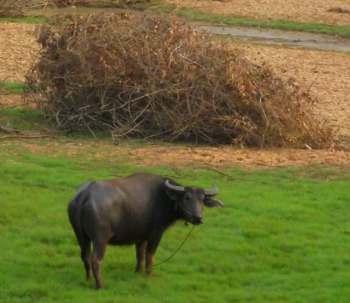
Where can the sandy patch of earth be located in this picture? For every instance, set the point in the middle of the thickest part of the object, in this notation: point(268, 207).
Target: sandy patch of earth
point(296, 10)
point(280, 37)
point(326, 74)
point(17, 50)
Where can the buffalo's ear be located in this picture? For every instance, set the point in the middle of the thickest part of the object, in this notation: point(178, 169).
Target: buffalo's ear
point(211, 202)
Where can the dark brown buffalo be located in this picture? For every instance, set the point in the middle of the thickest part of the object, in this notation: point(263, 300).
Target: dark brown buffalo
point(132, 210)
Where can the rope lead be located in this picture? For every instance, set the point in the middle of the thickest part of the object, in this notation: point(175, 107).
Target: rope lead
point(176, 251)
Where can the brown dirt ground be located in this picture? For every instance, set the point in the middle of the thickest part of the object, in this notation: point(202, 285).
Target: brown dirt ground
point(182, 156)
point(11, 100)
point(296, 10)
point(228, 156)
point(327, 73)
point(17, 50)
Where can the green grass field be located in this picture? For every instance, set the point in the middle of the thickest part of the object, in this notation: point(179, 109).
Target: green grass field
point(25, 19)
point(22, 118)
point(283, 236)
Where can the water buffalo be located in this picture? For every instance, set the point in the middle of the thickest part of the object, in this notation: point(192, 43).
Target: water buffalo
point(132, 210)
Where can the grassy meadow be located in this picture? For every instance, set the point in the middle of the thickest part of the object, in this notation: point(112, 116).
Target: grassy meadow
point(283, 236)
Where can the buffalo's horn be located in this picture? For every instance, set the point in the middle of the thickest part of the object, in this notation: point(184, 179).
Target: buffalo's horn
point(211, 192)
point(174, 187)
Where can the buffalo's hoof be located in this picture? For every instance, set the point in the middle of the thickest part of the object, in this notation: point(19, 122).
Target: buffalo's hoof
point(98, 286)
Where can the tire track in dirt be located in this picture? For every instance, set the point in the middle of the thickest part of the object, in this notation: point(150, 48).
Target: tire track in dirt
point(282, 38)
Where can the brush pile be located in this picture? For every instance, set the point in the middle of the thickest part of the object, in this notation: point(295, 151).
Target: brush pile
point(146, 76)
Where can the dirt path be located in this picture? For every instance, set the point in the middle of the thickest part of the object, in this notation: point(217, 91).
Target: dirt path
point(278, 37)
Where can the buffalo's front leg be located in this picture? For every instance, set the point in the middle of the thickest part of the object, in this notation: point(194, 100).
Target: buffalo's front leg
point(140, 255)
point(149, 262)
point(150, 251)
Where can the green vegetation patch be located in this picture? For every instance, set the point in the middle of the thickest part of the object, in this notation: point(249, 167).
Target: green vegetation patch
point(22, 118)
point(25, 19)
point(12, 87)
point(281, 237)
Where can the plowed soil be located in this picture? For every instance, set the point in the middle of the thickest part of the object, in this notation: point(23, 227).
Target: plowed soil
point(325, 74)
point(295, 10)
point(18, 49)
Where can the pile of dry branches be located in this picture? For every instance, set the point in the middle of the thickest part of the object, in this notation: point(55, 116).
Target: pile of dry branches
point(150, 77)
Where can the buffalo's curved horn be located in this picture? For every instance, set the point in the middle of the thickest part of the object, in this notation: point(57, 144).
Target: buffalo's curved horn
point(174, 187)
point(211, 192)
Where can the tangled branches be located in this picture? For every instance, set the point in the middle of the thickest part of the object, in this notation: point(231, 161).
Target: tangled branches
point(150, 77)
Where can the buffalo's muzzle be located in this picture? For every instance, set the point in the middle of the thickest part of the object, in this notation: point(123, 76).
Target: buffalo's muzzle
point(197, 220)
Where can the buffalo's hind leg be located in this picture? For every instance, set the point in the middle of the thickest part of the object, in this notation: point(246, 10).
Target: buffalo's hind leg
point(99, 248)
point(85, 254)
point(140, 255)
point(83, 241)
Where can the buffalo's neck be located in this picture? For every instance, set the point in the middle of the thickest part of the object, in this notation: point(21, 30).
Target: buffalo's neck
point(168, 213)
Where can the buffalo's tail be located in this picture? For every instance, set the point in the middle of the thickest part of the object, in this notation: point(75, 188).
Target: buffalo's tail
point(74, 213)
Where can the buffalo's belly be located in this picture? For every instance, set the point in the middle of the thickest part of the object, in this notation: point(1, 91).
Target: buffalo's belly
point(118, 241)
point(128, 235)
